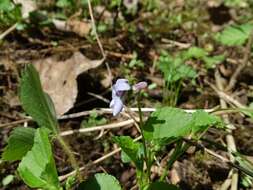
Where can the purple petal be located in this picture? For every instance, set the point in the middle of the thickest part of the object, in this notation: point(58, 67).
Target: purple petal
point(117, 106)
point(112, 103)
point(139, 86)
point(121, 85)
point(114, 93)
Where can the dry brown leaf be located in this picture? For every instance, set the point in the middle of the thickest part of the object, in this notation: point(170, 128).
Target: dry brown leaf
point(81, 28)
point(58, 78)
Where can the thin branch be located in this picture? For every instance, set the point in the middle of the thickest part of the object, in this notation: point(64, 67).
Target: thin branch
point(229, 137)
point(98, 128)
point(8, 31)
point(98, 40)
point(226, 97)
point(244, 63)
point(98, 110)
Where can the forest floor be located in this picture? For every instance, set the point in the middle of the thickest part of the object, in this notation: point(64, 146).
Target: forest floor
point(132, 43)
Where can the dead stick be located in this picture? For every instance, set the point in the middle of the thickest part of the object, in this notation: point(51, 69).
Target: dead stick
point(241, 66)
point(229, 138)
point(98, 40)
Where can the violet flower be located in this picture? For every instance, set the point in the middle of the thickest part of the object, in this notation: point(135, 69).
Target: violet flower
point(139, 86)
point(118, 90)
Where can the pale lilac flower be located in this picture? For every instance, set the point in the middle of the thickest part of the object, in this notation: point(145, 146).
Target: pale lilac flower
point(139, 86)
point(118, 90)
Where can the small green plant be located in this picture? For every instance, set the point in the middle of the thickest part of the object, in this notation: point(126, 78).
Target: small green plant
point(93, 120)
point(234, 35)
point(9, 13)
point(174, 71)
point(165, 126)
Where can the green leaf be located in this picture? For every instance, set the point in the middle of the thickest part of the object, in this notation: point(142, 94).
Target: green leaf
point(124, 157)
point(132, 149)
point(210, 62)
point(34, 101)
point(194, 52)
point(236, 3)
point(162, 186)
point(64, 3)
point(234, 35)
point(202, 120)
point(167, 122)
point(100, 182)
point(19, 143)
point(70, 182)
point(6, 5)
point(174, 69)
point(172, 123)
point(37, 168)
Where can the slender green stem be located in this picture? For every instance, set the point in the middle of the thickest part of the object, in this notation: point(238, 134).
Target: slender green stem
point(146, 155)
point(71, 156)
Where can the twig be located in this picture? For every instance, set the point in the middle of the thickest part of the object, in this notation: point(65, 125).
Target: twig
point(98, 110)
point(241, 66)
point(98, 97)
point(14, 123)
point(229, 137)
point(98, 128)
point(63, 177)
point(9, 30)
point(225, 96)
point(176, 43)
point(98, 40)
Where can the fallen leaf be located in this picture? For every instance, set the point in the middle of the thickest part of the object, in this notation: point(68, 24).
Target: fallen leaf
point(79, 27)
point(58, 78)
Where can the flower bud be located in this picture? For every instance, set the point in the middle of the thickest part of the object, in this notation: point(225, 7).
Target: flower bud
point(139, 86)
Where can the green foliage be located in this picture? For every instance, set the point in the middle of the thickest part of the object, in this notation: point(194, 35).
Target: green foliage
point(173, 123)
point(115, 3)
point(236, 3)
point(174, 68)
point(167, 122)
point(234, 35)
point(64, 3)
point(6, 5)
point(37, 167)
point(132, 149)
point(94, 120)
point(135, 62)
point(9, 13)
point(70, 182)
point(162, 186)
point(100, 182)
point(34, 101)
point(210, 62)
point(194, 52)
point(19, 143)
point(201, 54)
point(174, 71)
point(201, 120)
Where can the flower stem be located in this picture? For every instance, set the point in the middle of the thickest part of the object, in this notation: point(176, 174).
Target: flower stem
point(146, 155)
point(68, 152)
